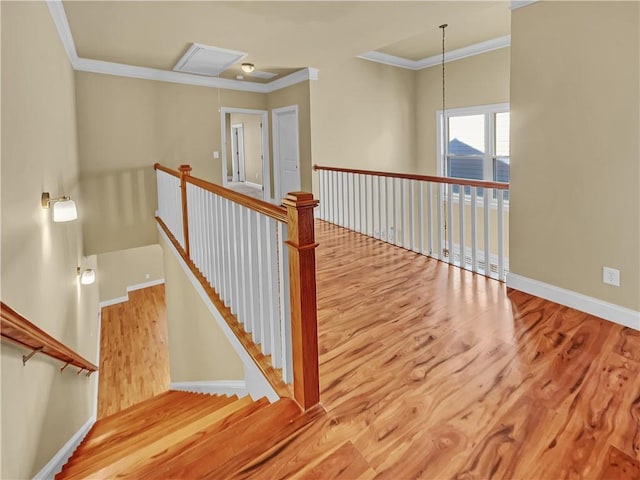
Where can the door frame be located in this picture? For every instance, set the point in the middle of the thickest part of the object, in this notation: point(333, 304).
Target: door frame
point(266, 171)
point(278, 194)
point(237, 153)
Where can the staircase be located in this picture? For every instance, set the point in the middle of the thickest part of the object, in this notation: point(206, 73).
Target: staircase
point(184, 435)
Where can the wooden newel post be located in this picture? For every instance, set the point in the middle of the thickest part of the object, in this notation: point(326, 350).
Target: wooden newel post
point(185, 171)
point(304, 313)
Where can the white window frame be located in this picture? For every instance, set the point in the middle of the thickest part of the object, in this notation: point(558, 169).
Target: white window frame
point(442, 133)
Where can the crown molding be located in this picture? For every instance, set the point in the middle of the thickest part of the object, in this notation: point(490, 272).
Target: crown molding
point(515, 4)
point(62, 25)
point(132, 71)
point(471, 50)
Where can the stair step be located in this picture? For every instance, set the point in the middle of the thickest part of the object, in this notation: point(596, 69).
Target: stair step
point(150, 468)
point(147, 419)
point(221, 454)
point(135, 454)
point(110, 422)
point(121, 444)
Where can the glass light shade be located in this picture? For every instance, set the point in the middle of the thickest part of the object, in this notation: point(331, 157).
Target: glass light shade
point(88, 277)
point(64, 211)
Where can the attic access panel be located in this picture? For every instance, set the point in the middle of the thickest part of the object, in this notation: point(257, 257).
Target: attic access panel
point(206, 60)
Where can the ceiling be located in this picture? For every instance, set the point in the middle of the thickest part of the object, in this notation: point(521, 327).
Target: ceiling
point(278, 37)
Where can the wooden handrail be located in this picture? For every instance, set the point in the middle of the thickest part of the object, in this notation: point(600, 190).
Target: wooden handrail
point(425, 178)
point(162, 168)
point(273, 211)
point(298, 216)
point(20, 331)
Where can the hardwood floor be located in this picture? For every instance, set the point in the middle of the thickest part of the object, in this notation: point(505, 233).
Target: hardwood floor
point(429, 371)
point(134, 351)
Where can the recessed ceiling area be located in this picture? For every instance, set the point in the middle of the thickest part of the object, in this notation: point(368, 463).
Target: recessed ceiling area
point(279, 37)
point(492, 20)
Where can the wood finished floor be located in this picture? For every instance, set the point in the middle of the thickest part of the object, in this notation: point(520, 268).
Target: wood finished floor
point(429, 371)
point(134, 351)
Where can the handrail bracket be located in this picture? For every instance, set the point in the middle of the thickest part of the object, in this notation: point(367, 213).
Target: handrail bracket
point(26, 358)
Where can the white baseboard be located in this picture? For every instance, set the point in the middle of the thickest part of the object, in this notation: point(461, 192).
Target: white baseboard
point(131, 288)
point(219, 387)
point(599, 308)
point(254, 185)
point(56, 463)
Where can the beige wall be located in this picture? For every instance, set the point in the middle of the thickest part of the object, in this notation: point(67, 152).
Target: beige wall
point(198, 350)
point(363, 116)
point(478, 80)
point(41, 408)
point(575, 102)
point(126, 125)
point(252, 145)
point(126, 268)
point(298, 94)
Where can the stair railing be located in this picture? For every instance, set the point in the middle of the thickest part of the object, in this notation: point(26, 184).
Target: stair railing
point(458, 221)
point(258, 261)
point(18, 330)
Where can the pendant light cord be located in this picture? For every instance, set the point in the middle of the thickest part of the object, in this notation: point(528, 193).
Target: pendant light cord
point(444, 144)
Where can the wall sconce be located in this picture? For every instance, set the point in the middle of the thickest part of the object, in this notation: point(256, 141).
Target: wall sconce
point(64, 209)
point(247, 67)
point(87, 276)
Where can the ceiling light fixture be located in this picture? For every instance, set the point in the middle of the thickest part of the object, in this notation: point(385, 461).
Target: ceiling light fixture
point(64, 209)
point(247, 67)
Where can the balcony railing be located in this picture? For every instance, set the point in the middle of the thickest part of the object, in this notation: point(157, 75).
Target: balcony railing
point(462, 222)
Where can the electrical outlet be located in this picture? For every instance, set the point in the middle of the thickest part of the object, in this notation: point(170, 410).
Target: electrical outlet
point(147, 276)
point(216, 155)
point(611, 276)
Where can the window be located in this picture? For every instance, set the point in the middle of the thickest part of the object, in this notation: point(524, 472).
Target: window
point(477, 140)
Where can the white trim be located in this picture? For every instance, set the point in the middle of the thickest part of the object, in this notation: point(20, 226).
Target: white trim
point(257, 384)
point(62, 25)
point(56, 463)
point(599, 308)
point(216, 387)
point(61, 22)
point(114, 301)
point(473, 110)
point(464, 52)
point(266, 170)
point(131, 288)
point(254, 185)
point(515, 4)
point(277, 188)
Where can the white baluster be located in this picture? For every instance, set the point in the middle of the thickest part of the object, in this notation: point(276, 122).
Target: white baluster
point(271, 266)
point(450, 223)
point(439, 218)
point(241, 240)
point(254, 278)
point(285, 306)
point(487, 247)
point(379, 209)
point(412, 226)
point(430, 219)
point(474, 229)
point(500, 213)
point(421, 217)
point(461, 201)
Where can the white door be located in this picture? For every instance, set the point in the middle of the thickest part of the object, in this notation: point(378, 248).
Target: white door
point(237, 152)
point(286, 152)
